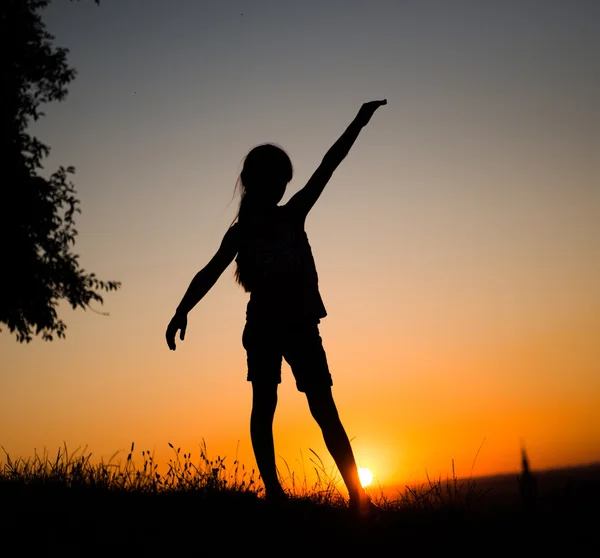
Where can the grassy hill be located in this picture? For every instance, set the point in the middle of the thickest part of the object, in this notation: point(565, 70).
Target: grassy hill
point(69, 506)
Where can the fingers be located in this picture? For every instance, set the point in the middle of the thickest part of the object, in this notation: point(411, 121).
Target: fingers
point(176, 324)
point(368, 109)
point(170, 335)
point(171, 341)
point(377, 104)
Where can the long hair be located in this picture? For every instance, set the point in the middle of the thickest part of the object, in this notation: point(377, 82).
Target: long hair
point(266, 171)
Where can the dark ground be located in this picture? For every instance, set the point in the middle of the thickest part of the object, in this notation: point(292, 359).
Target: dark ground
point(53, 520)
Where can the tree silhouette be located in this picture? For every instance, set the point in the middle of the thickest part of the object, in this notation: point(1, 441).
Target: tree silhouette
point(37, 214)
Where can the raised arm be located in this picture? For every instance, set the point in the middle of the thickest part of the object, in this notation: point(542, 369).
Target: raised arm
point(201, 284)
point(303, 200)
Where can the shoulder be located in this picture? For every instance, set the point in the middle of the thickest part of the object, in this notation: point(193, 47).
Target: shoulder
point(232, 238)
point(292, 213)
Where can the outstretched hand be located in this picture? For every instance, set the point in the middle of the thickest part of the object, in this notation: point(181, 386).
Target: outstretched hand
point(178, 322)
point(367, 110)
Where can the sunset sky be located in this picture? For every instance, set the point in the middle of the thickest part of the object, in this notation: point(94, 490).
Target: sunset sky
point(458, 245)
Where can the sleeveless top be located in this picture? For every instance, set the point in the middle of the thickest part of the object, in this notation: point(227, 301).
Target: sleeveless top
point(277, 267)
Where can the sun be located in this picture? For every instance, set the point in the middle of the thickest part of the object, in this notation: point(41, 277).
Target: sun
point(365, 476)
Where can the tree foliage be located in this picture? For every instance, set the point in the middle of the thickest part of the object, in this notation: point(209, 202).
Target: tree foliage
point(37, 214)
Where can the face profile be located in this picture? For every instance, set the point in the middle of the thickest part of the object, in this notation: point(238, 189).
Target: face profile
point(265, 174)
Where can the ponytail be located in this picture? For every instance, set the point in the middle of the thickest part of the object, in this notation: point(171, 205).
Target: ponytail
point(265, 165)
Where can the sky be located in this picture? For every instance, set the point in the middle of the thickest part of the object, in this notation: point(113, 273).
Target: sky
point(458, 245)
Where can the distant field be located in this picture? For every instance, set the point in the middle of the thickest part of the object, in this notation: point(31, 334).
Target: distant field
point(551, 483)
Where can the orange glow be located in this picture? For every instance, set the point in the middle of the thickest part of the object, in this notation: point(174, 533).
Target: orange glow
point(365, 476)
point(457, 245)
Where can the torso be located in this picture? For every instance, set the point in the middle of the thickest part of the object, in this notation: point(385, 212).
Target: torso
point(278, 269)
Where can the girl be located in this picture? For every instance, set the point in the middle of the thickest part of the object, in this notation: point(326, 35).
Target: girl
point(275, 265)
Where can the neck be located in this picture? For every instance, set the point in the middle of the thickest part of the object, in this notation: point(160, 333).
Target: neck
point(255, 209)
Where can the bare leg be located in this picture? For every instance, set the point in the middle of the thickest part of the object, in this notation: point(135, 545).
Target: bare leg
point(323, 409)
point(264, 402)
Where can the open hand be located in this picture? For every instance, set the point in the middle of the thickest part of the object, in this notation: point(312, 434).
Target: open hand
point(367, 110)
point(178, 322)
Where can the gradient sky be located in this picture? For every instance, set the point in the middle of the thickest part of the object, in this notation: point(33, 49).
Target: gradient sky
point(458, 245)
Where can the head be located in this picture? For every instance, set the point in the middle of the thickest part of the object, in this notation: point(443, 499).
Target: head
point(265, 175)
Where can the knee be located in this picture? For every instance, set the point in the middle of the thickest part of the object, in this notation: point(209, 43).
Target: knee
point(264, 403)
point(263, 412)
point(326, 416)
point(322, 407)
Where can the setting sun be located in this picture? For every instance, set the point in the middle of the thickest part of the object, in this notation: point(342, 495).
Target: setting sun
point(452, 255)
point(365, 476)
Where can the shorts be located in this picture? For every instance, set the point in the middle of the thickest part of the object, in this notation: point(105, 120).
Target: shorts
point(299, 343)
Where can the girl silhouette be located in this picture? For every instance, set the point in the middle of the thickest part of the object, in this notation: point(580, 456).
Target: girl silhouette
point(274, 263)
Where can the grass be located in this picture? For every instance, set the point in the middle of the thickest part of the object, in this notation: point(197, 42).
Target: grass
point(184, 475)
point(66, 501)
